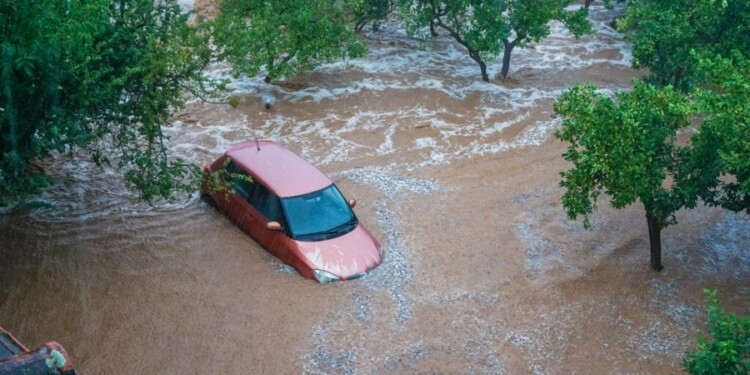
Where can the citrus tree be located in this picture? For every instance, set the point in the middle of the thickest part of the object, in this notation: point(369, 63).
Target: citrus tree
point(696, 52)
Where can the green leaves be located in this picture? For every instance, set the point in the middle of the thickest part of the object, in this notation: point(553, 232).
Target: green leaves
point(727, 350)
point(623, 147)
point(283, 38)
point(667, 31)
point(100, 75)
point(486, 28)
point(721, 149)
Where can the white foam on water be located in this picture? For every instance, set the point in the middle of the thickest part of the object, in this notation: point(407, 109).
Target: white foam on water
point(186, 5)
point(395, 62)
point(426, 142)
point(387, 146)
point(531, 136)
point(498, 127)
point(441, 64)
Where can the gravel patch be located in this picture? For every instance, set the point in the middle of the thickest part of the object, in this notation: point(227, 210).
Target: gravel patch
point(362, 306)
point(541, 254)
point(396, 271)
point(390, 184)
point(726, 242)
point(393, 274)
point(324, 361)
point(664, 300)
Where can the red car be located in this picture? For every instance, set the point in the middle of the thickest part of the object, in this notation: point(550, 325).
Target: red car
point(291, 209)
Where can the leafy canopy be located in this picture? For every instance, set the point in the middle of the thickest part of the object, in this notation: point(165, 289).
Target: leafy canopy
point(720, 164)
point(623, 147)
point(368, 11)
point(485, 28)
point(666, 31)
point(96, 75)
point(727, 350)
point(284, 37)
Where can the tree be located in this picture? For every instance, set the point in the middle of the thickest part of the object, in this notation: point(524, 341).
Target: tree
point(283, 37)
point(666, 31)
point(720, 150)
point(96, 75)
point(368, 11)
point(485, 28)
point(624, 147)
point(700, 47)
point(727, 350)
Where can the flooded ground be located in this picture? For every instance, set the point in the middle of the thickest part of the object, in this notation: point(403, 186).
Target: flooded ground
point(458, 178)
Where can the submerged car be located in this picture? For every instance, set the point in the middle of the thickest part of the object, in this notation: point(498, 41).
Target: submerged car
point(291, 209)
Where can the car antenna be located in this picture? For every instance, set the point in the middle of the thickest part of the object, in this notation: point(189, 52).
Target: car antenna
point(255, 134)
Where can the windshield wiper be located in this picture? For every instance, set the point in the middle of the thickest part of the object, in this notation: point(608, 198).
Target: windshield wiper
point(345, 227)
point(342, 228)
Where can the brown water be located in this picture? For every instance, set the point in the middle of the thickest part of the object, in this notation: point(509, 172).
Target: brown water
point(483, 273)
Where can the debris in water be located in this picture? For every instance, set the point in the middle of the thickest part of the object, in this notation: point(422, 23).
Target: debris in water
point(268, 99)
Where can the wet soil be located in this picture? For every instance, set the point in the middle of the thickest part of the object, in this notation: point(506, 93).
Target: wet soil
point(458, 179)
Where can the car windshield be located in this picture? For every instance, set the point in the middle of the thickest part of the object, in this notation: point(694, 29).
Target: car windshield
point(319, 215)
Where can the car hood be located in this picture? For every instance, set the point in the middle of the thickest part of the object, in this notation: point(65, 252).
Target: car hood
point(344, 256)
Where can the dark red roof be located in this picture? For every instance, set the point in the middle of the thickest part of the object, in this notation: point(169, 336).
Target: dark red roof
point(281, 170)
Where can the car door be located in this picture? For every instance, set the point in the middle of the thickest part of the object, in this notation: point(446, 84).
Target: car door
point(234, 202)
point(266, 207)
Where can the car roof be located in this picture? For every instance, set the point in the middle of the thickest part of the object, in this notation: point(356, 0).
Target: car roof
point(282, 171)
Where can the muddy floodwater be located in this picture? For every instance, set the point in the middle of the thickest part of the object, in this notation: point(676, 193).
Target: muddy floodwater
point(457, 178)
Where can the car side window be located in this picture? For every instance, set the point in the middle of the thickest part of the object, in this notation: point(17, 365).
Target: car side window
point(262, 199)
point(241, 185)
point(267, 203)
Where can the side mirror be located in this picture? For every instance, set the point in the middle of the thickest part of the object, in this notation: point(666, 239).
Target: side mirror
point(273, 225)
point(352, 202)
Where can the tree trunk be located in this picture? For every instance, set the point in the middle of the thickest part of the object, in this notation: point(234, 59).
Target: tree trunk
point(506, 57)
point(475, 55)
point(654, 237)
point(588, 3)
point(482, 66)
point(359, 25)
point(433, 32)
